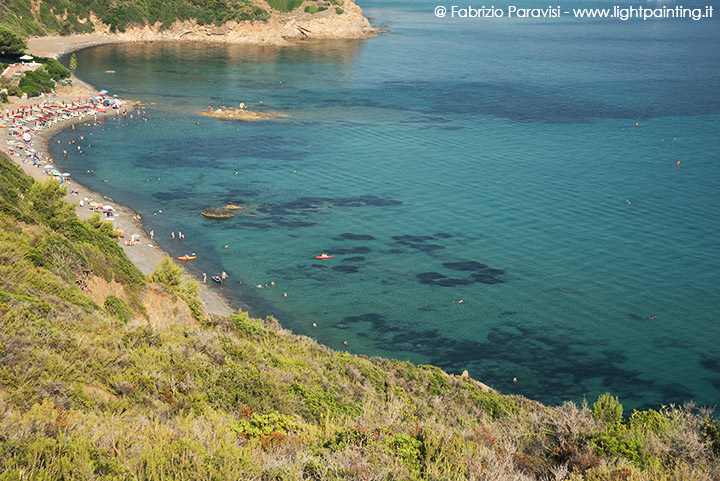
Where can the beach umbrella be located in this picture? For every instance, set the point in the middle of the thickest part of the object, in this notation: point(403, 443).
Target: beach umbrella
point(65, 174)
point(107, 207)
point(48, 167)
point(27, 137)
point(135, 236)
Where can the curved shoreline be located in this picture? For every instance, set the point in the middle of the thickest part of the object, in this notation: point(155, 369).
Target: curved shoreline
point(147, 252)
point(144, 258)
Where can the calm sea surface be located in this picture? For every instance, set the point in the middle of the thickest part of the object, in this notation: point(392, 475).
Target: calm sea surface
point(484, 161)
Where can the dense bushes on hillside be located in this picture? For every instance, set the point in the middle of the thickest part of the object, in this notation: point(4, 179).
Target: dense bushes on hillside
point(102, 394)
point(11, 44)
point(285, 5)
point(66, 17)
point(37, 81)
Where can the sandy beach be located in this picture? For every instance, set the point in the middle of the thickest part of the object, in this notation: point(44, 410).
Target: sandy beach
point(145, 253)
point(56, 46)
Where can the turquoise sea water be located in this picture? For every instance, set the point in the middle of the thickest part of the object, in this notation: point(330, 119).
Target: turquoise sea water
point(488, 161)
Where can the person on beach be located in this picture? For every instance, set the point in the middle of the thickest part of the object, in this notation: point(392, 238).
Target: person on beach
point(152, 234)
point(224, 275)
point(204, 277)
point(173, 235)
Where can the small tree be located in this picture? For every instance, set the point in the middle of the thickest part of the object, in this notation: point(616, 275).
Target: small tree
point(73, 63)
point(47, 199)
point(607, 409)
point(169, 275)
point(11, 44)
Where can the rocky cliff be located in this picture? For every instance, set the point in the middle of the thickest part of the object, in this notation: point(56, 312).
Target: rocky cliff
point(279, 29)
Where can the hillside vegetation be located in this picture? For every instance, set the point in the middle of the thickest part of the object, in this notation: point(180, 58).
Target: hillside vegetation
point(67, 17)
point(98, 390)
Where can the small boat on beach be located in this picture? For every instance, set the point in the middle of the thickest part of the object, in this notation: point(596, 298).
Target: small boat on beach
point(217, 279)
point(324, 256)
point(188, 257)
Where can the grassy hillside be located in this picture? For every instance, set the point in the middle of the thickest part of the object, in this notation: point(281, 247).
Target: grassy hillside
point(94, 390)
point(66, 17)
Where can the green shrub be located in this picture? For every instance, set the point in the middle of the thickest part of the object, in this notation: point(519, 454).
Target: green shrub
point(285, 5)
point(247, 325)
point(104, 227)
point(11, 44)
point(649, 421)
point(607, 409)
point(319, 402)
point(348, 437)
point(311, 9)
point(118, 308)
point(56, 70)
point(437, 382)
point(47, 199)
point(266, 425)
point(35, 82)
point(14, 90)
point(617, 441)
point(408, 449)
point(495, 405)
point(711, 433)
point(169, 275)
point(339, 11)
point(59, 255)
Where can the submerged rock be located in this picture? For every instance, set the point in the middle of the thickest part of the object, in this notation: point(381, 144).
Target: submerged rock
point(243, 114)
point(218, 212)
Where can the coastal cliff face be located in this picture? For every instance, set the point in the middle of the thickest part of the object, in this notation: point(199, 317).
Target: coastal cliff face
point(280, 29)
